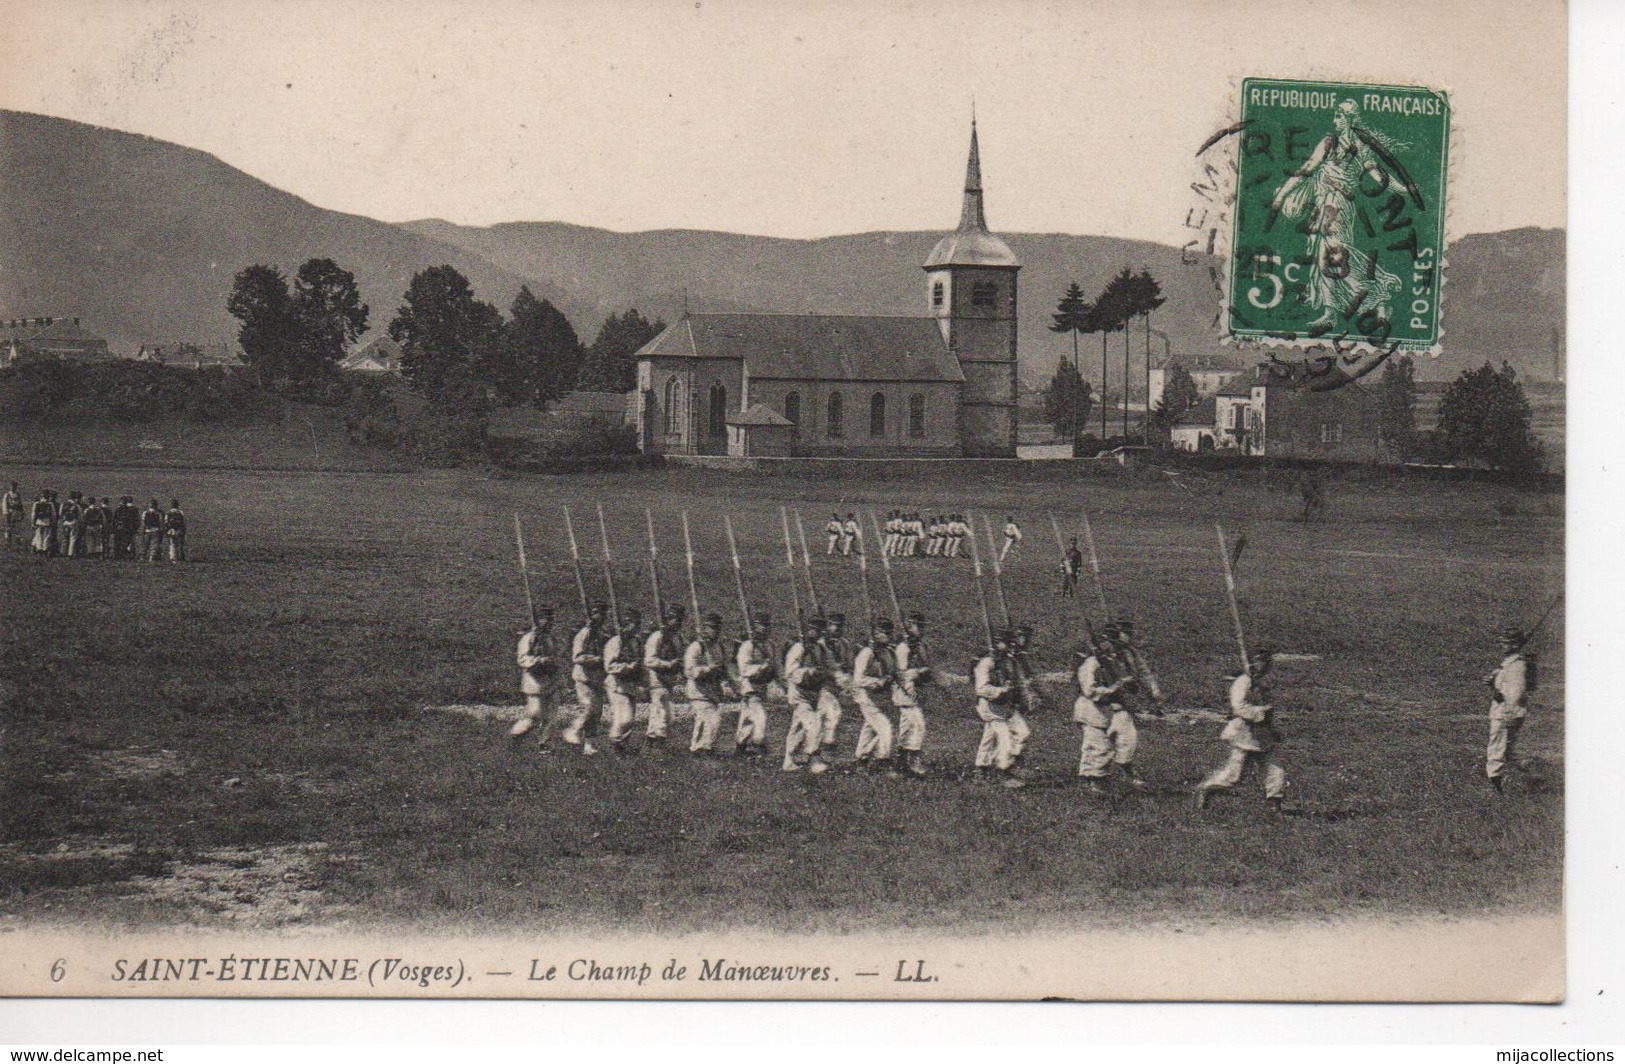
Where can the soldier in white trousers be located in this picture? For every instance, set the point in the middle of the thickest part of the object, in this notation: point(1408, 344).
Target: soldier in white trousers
point(705, 665)
point(834, 529)
point(663, 664)
point(803, 676)
point(913, 672)
point(1251, 736)
point(1509, 683)
point(998, 691)
point(757, 665)
point(587, 673)
point(1109, 735)
point(874, 674)
point(836, 664)
point(537, 659)
point(623, 667)
point(1012, 537)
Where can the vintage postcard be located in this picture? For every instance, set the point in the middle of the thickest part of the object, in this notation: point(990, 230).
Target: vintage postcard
point(692, 500)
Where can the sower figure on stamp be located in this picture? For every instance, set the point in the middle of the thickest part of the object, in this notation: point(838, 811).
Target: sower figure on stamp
point(1510, 684)
point(874, 675)
point(998, 690)
point(803, 679)
point(913, 672)
point(705, 666)
point(537, 658)
point(587, 673)
point(663, 661)
point(623, 667)
point(1251, 736)
point(757, 666)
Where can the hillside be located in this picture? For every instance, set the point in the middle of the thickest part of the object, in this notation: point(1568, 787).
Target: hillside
point(142, 238)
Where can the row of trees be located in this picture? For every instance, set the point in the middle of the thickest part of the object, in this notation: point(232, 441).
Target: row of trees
point(456, 350)
point(1127, 297)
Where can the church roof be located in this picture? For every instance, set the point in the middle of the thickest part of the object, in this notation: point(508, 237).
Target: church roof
point(758, 414)
point(833, 347)
point(972, 244)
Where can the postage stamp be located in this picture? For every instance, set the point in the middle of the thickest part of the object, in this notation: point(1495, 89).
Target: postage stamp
point(1339, 224)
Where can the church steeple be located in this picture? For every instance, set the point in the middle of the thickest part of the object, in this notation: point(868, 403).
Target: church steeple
point(970, 215)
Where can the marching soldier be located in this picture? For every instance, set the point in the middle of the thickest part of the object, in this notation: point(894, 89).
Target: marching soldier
point(893, 534)
point(1071, 569)
point(538, 673)
point(587, 673)
point(997, 690)
point(175, 531)
point(622, 664)
point(1028, 697)
point(44, 515)
point(916, 530)
point(663, 662)
point(1133, 663)
point(1109, 735)
point(152, 531)
point(913, 672)
point(107, 527)
point(874, 671)
point(95, 524)
point(11, 506)
point(1510, 683)
point(757, 666)
point(1012, 536)
point(705, 666)
point(804, 676)
point(1250, 735)
point(957, 530)
point(836, 666)
point(68, 525)
point(834, 530)
point(53, 546)
point(850, 529)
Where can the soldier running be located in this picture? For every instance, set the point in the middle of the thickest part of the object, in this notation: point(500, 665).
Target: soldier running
point(705, 666)
point(1510, 684)
point(587, 673)
point(623, 665)
point(1250, 735)
point(537, 659)
point(997, 689)
point(1109, 735)
point(874, 672)
point(757, 665)
point(913, 672)
point(836, 664)
point(1012, 537)
point(663, 662)
point(804, 676)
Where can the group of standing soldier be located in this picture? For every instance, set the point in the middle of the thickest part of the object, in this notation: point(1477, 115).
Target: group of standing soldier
point(910, 534)
point(82, 526)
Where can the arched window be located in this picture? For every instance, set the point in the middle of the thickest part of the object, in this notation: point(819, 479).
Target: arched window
point(877, 414)
point(916, 415)
point(674, 397)
point(792, 408)
point(719, 411)
point(835, 412)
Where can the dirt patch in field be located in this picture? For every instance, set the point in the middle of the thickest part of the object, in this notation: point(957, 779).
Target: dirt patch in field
point(263, 887)
point(135, 764)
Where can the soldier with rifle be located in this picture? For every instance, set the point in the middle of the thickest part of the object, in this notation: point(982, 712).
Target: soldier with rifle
point(836, 667)
point(1071, 568)
point(587, 673)
point(1510, 684)
point(804, 675)
point(874, 673)
point(663, 664)
point(537, 658)
point(1109, 735)
point(998, 690)
point(757, 664)
point(705, 666)
point(1250, 734)
point(913, 672)
point(623, 666)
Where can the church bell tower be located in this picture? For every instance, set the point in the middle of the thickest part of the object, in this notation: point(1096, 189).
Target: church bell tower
point(971, 290)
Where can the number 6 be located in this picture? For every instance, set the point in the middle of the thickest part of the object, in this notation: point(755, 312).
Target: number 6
point(59, 969)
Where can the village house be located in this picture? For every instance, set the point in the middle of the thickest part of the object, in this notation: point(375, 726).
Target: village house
point(1265, 414)
point(379, 354)
point(940, 384)
point(1209, 372)
point(28, 339)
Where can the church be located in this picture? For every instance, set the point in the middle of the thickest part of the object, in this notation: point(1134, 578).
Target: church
point(942, 384)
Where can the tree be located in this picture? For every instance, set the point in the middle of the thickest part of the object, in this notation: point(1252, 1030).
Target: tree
point(609, 366)
point(1072, 316)
point(541, 353)
point(1179, 394)
point(327, 305)
point(449, 340)
point(1396, 398)
point(270, 329)
point(1067, 398)
point(1484, 416)
point(1147, 298)
point(1113, 311)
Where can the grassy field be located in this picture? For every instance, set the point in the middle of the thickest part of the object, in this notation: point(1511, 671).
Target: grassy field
point(251, 739)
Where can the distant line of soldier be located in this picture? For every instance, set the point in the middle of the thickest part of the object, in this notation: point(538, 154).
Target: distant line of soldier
point(909, 534)
point(82, 526)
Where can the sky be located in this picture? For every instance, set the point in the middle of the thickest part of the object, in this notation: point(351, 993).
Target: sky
point(797, 119)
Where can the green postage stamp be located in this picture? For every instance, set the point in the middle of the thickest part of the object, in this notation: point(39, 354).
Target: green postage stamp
point(1338, 236)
